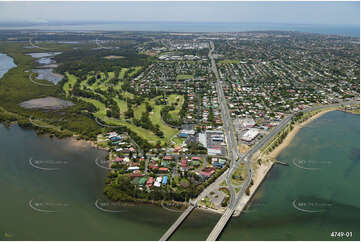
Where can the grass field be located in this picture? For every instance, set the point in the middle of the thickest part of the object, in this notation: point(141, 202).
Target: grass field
point(240, 171)
point(184, 77)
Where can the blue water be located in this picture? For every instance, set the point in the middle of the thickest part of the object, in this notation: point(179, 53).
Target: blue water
point(6, 63)
point(346, 30)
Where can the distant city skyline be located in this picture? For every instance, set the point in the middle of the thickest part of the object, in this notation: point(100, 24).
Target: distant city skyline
point(341, 13)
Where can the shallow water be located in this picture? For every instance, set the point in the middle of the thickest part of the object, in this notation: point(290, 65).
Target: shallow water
point(45, 54)
point(6, 63)
point(47, 74)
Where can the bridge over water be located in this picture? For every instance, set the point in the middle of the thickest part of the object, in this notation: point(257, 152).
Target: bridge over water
point(176, 224)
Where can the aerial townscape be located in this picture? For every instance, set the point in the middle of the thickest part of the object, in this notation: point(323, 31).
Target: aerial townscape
point(186, 120)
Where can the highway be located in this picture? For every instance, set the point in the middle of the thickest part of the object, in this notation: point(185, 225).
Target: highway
point(229, 132)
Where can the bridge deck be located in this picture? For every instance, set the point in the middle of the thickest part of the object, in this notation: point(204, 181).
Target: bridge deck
point(220, 225)
point(178, 222)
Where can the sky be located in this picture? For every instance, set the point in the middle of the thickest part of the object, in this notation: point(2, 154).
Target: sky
point(342, 13)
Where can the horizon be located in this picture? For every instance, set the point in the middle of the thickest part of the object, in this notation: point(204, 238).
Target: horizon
point(328, 13)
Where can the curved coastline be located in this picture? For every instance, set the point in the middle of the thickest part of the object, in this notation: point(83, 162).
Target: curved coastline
point(262, 171)
point(291, 135)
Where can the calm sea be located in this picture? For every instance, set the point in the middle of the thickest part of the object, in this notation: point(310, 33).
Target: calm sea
point(49, 188)
point(317, 194)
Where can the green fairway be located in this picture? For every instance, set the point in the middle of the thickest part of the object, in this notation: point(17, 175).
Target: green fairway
point(135, 71)
point(172, 99)
point(122, 73)
point(139, 110)
point(70, 83)
point(122, 105)
point(156, 118)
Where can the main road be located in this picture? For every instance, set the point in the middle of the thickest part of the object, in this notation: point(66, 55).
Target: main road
point(236, 158)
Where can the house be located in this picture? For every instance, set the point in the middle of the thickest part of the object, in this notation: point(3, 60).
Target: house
point(150, 181)
point(115, 138)
point(133, 168)
point(163, 169)
point(153, 166)
point(184, 163)
point(217, 164)
point(165, 180)
point(207, 172)
point(168, 157)
point(118, 159)
point(164, 163)
point(183, 135)
point(136, 173)
point(196, 158)
point(142, 181)
point(158, 181)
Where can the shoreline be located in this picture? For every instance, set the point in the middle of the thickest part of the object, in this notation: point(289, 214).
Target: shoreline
point(291, 135)
point(258, 179)
point(83, 143)
point(264, 169)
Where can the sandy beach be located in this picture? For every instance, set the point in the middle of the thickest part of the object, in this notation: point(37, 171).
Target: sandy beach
point(274, 153)
point(258, 178)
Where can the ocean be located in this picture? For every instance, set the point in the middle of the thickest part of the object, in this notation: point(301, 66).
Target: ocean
point(344, 30)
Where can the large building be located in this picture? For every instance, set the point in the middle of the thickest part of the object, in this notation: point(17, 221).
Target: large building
point(250, 135)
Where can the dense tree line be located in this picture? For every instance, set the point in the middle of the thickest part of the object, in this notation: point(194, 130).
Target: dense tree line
point(80, 62)
point(168, 119)
point(146, 123)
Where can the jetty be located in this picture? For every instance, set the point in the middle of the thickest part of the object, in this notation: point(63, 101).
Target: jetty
point(282, 163)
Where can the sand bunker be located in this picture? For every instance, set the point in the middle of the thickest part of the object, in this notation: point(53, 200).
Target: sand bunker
point(46, 103)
